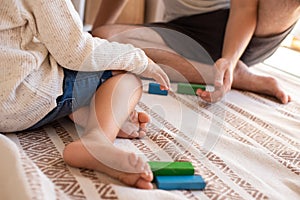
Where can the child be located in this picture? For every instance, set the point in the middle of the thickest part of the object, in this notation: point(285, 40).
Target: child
point(51, 69)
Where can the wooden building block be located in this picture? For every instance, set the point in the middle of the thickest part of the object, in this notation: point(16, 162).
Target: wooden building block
point(154, 88)
point(188, 88)
point(194, 182)
point(171, 168)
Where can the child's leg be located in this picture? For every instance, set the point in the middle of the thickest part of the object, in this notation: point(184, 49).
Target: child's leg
point(109, 110)
point(134, 127)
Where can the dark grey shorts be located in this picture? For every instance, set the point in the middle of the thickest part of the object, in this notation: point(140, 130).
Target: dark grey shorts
point(208, 31)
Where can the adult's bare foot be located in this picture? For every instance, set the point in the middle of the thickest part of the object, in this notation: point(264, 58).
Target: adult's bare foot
point(243, 79)
point(135, 126)
point(124, 166)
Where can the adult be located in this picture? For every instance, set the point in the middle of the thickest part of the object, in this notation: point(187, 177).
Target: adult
point(235, 33)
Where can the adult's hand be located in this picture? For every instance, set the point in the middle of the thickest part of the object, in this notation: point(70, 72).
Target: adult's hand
point(222, 83)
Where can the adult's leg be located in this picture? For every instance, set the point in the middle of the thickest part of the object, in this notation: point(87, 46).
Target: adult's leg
point(274, 17)
point(95, 150)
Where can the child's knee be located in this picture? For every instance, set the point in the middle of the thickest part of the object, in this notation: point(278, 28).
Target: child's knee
point(132, 82)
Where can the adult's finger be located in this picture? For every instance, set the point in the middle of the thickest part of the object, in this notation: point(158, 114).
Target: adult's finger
point(213, 96)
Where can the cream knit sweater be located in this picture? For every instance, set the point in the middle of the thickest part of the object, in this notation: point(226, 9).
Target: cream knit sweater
point(37, 37)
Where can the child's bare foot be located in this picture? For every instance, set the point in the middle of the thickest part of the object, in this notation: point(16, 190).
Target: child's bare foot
point(124, 166)
point(245, 80)
point(135, 126)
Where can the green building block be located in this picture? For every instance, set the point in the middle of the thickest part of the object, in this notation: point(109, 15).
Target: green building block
point(171, 168)
point(188, 88)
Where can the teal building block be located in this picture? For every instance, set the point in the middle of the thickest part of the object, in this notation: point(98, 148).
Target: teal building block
point(154, 88)
point(194, 182)
point(171, 168)
point(188, 88)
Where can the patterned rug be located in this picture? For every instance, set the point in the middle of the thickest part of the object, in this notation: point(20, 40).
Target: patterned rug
point(245, 147)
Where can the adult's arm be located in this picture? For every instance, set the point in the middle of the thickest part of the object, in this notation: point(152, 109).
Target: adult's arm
point(239, 30)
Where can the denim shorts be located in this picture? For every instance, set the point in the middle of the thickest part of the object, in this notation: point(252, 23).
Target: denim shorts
point(78, 90)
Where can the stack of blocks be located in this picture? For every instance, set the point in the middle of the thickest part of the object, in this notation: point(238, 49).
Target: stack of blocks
point(176, 176)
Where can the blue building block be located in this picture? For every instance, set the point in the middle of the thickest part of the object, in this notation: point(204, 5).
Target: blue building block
point(193, 182)
point(154, 88)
